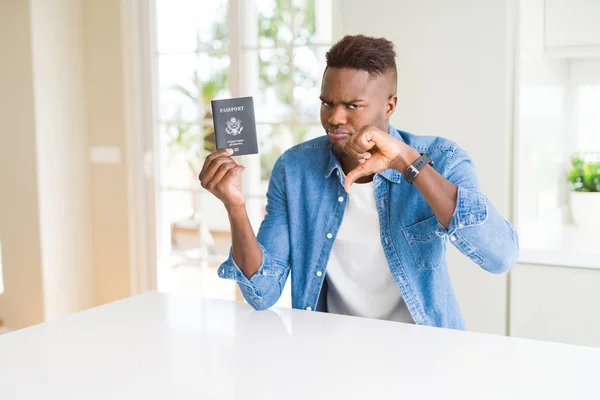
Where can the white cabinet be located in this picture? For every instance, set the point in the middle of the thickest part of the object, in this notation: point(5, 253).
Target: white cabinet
point(572, 28)
point(557, 304)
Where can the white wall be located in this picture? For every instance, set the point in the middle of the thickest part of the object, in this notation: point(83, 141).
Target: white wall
point(63, 223)
point(63, 170)
point(455, 80)
point(105, 105)
point(585, 74)
point(541, 119)
point(22, 301)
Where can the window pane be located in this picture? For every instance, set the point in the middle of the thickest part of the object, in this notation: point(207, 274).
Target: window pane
point(182, 151)
point(273, 94)
point(277, 23)
point(315, 24)
point(193, 64)
point(194, 224)
point(304, 21)
point(273, 141)
point(191, 25)
point(308, 132)
point(274, 20)
point(188, 82)
point(313, 21)
point(195, 239)
point(181, 276)
point(309, 64)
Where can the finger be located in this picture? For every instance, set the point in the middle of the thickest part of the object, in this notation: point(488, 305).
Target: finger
point(361, 155)
point(232, 173)
point(383, 140)
point(352, 150)
point(219, 175)
point(354, 147)
point(214, 167)
point(355, 175)
point(226, 151)
point(365, 139)
point(359, 144)
point(370, 136)
point(211, 157)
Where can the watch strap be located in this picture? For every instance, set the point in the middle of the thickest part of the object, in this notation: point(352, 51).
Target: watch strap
point(413, 170)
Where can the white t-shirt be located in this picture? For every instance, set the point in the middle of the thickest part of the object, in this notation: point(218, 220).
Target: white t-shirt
point(359, 279)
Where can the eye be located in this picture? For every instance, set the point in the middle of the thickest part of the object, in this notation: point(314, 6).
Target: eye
point(326, 104)
point(354, 106)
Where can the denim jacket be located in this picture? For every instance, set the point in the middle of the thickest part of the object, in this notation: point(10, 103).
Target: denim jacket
point(305, 207)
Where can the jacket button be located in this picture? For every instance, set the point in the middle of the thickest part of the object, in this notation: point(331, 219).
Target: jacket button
point(340, 199)
point(319, 273)
point(308, 309)
point(329, 236)
point(453, 238)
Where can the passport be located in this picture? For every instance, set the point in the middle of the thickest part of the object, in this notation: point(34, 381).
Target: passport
point(235, 125)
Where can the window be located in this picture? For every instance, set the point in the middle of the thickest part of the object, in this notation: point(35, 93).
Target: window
point(275, 54)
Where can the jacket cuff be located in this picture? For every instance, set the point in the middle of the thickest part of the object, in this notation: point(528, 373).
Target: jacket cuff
point(471, 210)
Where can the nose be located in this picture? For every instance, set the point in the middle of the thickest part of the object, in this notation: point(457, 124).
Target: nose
point(337, 116)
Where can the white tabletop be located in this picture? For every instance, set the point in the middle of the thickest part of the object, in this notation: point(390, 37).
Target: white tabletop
point(157, 346)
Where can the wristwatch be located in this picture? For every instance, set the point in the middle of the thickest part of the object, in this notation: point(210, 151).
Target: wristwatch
point(413, 170)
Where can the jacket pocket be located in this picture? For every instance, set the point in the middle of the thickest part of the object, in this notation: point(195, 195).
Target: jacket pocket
point(426, 247)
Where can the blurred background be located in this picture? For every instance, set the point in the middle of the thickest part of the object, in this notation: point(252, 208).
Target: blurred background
point(106, 120)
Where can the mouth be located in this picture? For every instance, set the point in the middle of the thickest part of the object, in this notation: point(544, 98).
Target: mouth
point(337, 134)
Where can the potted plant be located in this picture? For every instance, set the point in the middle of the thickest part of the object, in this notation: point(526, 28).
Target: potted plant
point(584, 199)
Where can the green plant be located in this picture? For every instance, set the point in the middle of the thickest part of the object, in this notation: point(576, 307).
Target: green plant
point(585, 174)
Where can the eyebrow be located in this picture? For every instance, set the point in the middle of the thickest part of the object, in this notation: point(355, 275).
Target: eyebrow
point(343, 102)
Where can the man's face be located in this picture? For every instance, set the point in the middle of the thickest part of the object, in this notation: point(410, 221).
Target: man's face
point(351, 99)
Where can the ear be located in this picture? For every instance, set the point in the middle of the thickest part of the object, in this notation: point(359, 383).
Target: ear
point(390, 105)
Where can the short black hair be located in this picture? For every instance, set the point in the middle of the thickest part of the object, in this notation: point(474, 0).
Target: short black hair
point(374, 55)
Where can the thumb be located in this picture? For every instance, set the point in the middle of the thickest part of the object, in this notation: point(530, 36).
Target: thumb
point(354, 175)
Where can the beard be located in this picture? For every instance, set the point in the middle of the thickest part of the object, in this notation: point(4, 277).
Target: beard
point(337, 147)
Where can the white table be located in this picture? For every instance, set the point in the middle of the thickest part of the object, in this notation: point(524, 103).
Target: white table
point(157, 346)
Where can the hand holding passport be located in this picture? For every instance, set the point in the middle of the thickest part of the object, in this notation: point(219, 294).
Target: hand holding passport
point(235, 125)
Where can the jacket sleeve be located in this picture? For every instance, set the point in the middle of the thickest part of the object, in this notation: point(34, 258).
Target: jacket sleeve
point(476, 228)
point(264, 288)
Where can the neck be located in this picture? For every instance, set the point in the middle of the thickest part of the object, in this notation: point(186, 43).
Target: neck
point(348, 164)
